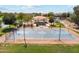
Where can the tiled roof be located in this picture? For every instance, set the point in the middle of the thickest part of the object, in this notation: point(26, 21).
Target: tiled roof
point(39, 17)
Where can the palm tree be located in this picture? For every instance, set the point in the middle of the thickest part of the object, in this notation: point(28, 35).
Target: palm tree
point(51, 20)
point(24, 36)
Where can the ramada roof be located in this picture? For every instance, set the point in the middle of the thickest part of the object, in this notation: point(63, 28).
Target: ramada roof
point(39, 17)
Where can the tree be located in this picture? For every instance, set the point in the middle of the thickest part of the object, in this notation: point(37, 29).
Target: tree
point(0, 18)
point(45, 15)
point(76, 17)
point(9, 19)
point(0, 14)
point(76, 10)
point(51, 20)
point(64, 15)
point(28, 17)
point(0, 22)
point(68, 14)
point(50, 14)
point(36, 14)
point(20, 16)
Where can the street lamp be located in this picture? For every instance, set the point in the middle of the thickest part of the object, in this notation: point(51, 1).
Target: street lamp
point(5, 38)
point(57, 20)
point(60, 32)
point(24, 35)
point(13, 34)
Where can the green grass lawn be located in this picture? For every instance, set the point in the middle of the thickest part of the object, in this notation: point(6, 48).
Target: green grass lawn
point(58, 48)
point(6, 29)
point(1, 33)
point(57, 25)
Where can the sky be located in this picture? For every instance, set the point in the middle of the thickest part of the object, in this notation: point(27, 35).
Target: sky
point(36, 8)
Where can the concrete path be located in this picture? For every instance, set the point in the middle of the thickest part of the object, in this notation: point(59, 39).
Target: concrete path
point(67, 25)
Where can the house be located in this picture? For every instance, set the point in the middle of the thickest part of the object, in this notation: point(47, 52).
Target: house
point(40, 20)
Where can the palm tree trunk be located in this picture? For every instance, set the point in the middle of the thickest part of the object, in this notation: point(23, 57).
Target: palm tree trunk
point(24, 36)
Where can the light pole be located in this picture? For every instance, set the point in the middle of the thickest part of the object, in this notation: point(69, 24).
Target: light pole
point(14, 34)
point(5, 38)
point(59, 38)
point(24, 35)
point(60, 32)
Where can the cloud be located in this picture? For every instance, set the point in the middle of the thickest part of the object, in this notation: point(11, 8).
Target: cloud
point(30, 6)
